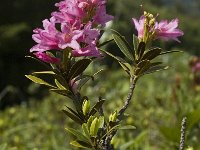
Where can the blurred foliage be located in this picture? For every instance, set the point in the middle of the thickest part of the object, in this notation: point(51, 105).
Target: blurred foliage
point(159, 103)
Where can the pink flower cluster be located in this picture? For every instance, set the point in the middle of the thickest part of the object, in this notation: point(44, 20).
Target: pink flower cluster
point(196, 67)
point(162, 30)
point(73, 26)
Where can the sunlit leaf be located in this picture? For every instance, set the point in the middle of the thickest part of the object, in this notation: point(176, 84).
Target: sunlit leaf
point(62, 92)
point(45, 72)
point(39, 81)
point(94, 127)
point(59, 85)
point(86, 130)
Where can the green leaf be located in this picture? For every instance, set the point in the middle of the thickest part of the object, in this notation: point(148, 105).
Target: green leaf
point(86, 107)
point(169, 52)
point(73, 117)
point(89, 122)
point(39, 81)
point(101, 121)
point(86, 130)
point(127, 127)
point(38, 60)
point(141, 49)
point(104, 43)
point(45, 72)
point(127, 67)
point(123, 45)
point(62, 92)
point(96, 107)
point(79, 67)
point(75, 113)
point(108, 53)
point(52, 65)
point(156, 69)
point(135, 42)
point(61, 79)
point(86, 78)
point(78, 134)
point(81, 144)
point(110, 131)
point(152, 53)
point(155, 64)
point(142, 67)
point(94, 127)
point(59, 85)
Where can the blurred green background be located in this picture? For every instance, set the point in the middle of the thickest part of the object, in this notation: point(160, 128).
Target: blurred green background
point(31, 117)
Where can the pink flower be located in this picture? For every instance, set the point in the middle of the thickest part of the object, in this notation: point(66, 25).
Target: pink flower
point(101, 17)
point(71, 7)
point(90, 35)
point(162, 30)
point(166, 31)
point(46, 58)
point(196, 67)
point(139, 25)
point(82, 10)
point(46, 38)
point(90, 50)
point(68, 37)
point(77, 19)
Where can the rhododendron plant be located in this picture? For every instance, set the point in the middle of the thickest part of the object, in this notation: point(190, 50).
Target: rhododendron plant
point(74, 31)
point(148, 28)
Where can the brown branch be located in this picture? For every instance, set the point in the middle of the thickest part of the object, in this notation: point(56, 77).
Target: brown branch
point(107, 140)
point(183, 132)
point(133, 81)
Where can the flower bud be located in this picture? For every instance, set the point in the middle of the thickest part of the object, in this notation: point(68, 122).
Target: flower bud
point(152, 22)
point(86, 107)
point(113, 117)
point(150, 16)
point(145, 13)
point(94, 127)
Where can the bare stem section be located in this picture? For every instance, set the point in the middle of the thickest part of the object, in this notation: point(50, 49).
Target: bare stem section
point(129, 97)
point(107, 142)
point(183, 132)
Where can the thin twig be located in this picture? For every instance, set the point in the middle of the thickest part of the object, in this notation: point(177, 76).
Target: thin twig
point(129, 97)
point(183, 132)
point(107, 144)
